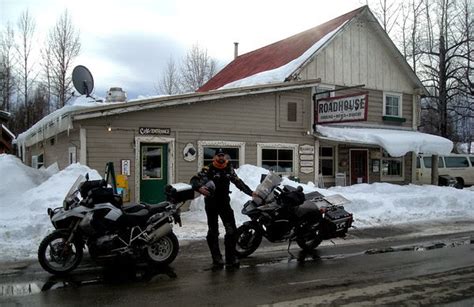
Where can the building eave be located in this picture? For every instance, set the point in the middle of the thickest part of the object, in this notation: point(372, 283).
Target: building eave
point(191, 98)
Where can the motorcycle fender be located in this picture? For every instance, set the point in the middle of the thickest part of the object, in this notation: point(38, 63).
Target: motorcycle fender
point(254, 225)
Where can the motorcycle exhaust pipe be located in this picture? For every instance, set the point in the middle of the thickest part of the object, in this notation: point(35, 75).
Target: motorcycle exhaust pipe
point(160, 231)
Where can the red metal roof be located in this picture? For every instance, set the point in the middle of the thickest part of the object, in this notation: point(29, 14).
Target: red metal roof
point(274, 55)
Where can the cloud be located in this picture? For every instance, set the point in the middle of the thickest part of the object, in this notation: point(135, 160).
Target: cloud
point(133, 61)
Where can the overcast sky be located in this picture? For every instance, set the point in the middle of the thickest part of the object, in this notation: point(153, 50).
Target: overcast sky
point(127, 43)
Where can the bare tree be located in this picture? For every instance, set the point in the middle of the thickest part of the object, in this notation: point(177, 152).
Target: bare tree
point(446, 62)
point(387, 12)
point(64, 45)
point(47, 63)
point(26, 30)
point(197, 69)
point(169, 82)
point(7, 62)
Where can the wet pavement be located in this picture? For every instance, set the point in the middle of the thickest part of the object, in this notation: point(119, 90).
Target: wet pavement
point(363, 270)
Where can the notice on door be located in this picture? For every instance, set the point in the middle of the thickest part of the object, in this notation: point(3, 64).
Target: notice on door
point(341, 109)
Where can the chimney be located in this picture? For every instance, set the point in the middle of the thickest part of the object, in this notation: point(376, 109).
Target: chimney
point(236, 50)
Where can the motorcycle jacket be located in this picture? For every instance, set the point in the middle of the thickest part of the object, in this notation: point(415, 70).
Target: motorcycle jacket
point(222, 177)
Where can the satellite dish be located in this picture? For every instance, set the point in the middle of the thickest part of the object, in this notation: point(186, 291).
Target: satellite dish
point(82, 80)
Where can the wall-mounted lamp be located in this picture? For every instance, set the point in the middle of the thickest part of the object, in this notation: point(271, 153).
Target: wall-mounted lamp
point(109, 128)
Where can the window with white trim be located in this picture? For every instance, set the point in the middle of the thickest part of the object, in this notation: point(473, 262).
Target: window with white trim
point(235, 152)
point(326, 161)
point(392, 104)
point(392, 168)
point(37, 161)
point(279, 158)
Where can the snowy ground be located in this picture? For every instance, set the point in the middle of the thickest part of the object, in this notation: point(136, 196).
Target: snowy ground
point(26, 193)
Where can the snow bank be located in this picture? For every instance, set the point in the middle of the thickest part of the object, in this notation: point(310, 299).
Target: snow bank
point(378, 204)
point(25, 195)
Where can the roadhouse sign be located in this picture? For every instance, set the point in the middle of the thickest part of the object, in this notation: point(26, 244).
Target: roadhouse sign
point(341, 109)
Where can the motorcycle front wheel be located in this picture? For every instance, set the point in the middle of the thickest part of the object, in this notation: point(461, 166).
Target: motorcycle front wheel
point(57, 256)
point(248, 240)
point(163, 251)
point(309, 241)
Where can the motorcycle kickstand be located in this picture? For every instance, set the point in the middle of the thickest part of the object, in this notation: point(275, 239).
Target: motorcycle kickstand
point(289, 252)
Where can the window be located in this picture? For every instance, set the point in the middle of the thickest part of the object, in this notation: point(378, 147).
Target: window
point(392, 104)
point(234, 150)
point(152, 161)
point(279, 158)
point(231, 152)
point(427, 161)
point(472, 161)
point(326, 161)
point(72, 154)
point(292, 108)
point(456, 162)
point(37, 161)
point(392, 168)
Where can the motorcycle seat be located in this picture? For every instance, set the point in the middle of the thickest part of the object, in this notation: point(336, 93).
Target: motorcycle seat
point(140, 213)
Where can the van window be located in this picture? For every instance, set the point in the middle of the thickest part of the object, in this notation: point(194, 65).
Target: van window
point(456, 162)
point(427, 162)
point(418, 162)
point(472, 161)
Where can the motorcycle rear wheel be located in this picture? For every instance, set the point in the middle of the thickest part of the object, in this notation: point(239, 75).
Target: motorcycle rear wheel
point(248, 240)
point(163, 251)
point(57, 257)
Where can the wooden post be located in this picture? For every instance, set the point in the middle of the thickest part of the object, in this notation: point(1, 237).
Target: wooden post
point(434, 169)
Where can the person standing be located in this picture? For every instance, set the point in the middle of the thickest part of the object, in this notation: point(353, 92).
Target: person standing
point(213, 182)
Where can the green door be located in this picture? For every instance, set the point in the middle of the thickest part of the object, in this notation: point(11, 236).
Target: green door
point(154, 172)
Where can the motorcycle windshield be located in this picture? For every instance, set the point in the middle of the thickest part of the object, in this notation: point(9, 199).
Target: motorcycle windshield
point(74, 188)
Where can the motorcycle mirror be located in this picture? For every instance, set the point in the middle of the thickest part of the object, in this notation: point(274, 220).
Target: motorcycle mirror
point(87, 176)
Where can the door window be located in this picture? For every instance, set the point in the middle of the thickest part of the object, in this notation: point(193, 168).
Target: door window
point(152, 161)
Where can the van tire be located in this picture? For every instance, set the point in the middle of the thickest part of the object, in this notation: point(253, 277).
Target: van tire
point(460, 183)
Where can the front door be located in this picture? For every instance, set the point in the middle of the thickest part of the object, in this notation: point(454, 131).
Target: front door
point(359, 166)
point(153, 172)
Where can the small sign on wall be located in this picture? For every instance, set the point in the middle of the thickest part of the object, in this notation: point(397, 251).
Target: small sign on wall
point(125, 167)
point(154, 131)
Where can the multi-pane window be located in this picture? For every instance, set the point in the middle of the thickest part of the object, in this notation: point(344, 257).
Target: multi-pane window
point(392, 167)
point(279, 160)
point(326, 161)
point(231, 152)
point(392, 104)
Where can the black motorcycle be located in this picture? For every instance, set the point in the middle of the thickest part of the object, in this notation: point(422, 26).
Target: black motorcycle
point(284, 213)
point(93, 216)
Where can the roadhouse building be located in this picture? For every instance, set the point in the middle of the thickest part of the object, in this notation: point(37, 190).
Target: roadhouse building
point(336, 104)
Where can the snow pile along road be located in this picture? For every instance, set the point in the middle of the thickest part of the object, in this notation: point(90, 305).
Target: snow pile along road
point(26, 193)
point(25, 196)
point(373, 205)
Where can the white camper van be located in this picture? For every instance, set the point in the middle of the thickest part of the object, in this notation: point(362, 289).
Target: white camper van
point(458, 166)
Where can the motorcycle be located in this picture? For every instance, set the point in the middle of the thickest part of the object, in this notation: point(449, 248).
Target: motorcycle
point(281, 213)
point(93, 216)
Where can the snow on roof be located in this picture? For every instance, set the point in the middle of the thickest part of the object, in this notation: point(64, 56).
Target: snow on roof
point(276, 55)
point(396, 142)
point(53, 123)
point(281, 73)
point(8, 131)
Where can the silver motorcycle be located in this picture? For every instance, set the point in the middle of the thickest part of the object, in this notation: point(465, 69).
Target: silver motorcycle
point(93, 217)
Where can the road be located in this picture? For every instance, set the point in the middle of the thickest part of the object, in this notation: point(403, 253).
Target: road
point(396, 266)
